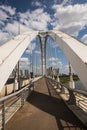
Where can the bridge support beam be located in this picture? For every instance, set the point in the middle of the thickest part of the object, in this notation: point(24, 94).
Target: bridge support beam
point(45, 52)
point(75, 51)
point(41, 53)
point(11, 52)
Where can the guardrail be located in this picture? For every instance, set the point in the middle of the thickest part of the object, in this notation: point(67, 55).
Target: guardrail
point(12, 87)
point(11, 103)
point(76, 100)
point(84, 93)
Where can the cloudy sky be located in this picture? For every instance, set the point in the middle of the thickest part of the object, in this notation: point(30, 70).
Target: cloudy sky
point(69, 16)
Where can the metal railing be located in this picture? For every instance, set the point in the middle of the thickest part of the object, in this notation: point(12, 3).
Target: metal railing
point(13, 102)
point(76, 100)
point(71, 96)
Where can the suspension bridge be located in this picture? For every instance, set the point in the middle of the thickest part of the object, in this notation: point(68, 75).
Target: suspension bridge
point(41, 101)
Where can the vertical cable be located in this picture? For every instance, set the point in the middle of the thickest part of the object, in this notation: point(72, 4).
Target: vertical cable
point(56, 56)
point(41, 53)
point(51, 53)
point(45, 43)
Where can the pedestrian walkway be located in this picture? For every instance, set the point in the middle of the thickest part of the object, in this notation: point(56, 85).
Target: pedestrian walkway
point(44, 110)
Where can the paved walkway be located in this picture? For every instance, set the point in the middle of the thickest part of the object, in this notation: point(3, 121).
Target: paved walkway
point(44, 110)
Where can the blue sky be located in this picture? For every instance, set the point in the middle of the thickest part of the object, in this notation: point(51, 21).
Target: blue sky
point(69, 16)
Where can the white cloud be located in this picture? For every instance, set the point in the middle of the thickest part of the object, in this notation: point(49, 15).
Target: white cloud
point(24, 59)
point(71, 19)
point(64, 69)
point(55, 1)
point(28, 51)
point(24, 28)
point(65, 2)
point(37, 19)
point(55, 45)
point(53, 64)
point(8, 9)
point(38, 52)
point(24, 63)
point(12, 29)
point(3, 15)
point(60, 64)
point(84, 39)
point(4, 37)
point(53, 59)
point(5, 26)
point(36, 3)
point(31, 47)
point(29, 20)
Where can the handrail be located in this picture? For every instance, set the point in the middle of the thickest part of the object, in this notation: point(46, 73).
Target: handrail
point(14, 94)
point(76, 100)
point(8, 109)
point(78, 91)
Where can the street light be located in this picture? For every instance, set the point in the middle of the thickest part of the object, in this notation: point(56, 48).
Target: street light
point(57, 65)
point(31, 60)
point(13, 18)
point(17, 76)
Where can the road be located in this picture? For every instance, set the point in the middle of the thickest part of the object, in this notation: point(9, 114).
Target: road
point(44, 110)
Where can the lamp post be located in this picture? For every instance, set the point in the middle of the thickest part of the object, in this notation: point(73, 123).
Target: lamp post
point(31, 62)
point(36, 65)
point(57, 66)
point(13, 18)
point(17, 76)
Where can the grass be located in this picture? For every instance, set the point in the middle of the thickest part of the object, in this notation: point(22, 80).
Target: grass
point(65, 79)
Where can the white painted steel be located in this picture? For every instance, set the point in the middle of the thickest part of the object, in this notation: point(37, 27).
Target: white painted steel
point(11, 52)
point(75, 51)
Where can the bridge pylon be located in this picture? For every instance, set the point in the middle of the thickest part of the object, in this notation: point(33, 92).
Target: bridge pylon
point(43, 50)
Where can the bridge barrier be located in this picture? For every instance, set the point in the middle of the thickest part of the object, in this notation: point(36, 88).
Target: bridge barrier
point(10, 88)
point(13, 102)
point(76, 100)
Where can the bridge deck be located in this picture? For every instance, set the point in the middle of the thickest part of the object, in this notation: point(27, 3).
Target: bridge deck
point(44, 110)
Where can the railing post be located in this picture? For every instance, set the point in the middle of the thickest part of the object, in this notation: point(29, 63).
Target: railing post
point(58, 79)
point(62, 90)
point(5, 90)
point(72, 99)
point(33, 86)
point(22, 99)
point(3, 115)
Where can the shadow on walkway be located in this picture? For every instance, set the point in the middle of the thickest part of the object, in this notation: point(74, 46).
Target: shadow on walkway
point(56, 107)
point(44, 110)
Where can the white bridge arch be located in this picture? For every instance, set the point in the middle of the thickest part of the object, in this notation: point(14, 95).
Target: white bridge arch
point(12, 50)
